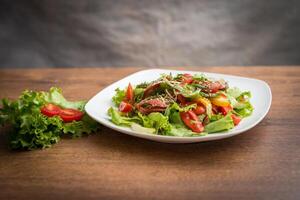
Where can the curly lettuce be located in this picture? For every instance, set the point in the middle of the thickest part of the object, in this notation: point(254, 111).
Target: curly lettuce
point(31, 129)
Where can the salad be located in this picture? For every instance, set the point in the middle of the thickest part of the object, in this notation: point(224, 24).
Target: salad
point(180, 105)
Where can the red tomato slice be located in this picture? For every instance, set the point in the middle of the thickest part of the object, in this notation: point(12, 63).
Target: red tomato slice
point(69, 115)
point(187, 78)
point(199, 110)
point(236, 119)
point(50, 110)
point(125, 107)
point(225, 109)
point(129, 93)
point(191, 120)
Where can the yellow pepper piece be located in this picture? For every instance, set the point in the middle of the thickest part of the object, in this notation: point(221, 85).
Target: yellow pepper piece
point(206, 102)
point(220, 100)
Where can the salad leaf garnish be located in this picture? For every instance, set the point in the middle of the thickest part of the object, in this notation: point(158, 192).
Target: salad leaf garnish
point(31, 129)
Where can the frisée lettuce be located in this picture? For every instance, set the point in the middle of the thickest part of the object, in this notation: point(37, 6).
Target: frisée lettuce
point(30, 129)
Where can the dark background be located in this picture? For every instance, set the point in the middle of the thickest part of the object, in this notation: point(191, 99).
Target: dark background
point(65, 33)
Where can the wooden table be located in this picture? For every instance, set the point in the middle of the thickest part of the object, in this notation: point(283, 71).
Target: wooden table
point(263, 163)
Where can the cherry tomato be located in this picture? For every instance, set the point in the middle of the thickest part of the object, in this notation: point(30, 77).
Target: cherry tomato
point(125, 107)
point(187, 78)
point(199, 110)
point(191, 120)
point(236, 119)
point(225, 109)
point(50, 110)
point(129, 93)
point(69, 115)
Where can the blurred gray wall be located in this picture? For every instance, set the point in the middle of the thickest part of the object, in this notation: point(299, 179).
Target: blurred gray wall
point(65, 33)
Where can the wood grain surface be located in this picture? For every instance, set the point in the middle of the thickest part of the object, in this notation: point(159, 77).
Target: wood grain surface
point(263, 163)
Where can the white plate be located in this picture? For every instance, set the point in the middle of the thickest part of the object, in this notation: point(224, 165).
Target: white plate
point(261, 100)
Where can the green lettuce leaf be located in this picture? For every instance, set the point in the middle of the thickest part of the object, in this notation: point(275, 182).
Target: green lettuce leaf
point(215, 117)
point(138, 94)
point(118, 97)
point(159, 122)
point(154, 120)
point(176, 108)
point(222, 124)
point(240, 101)
point(35, 130)
point(175, 119)
point(182, 131)
point(200, 77)
point(55, 96)
point(77, 128)
point(234, 92)
point(139, 128)
point(118, 119)
point(244, 111)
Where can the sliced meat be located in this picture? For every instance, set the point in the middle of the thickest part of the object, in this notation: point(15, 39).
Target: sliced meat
point(212, 87)
point(151, 105)
point(150, 89)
